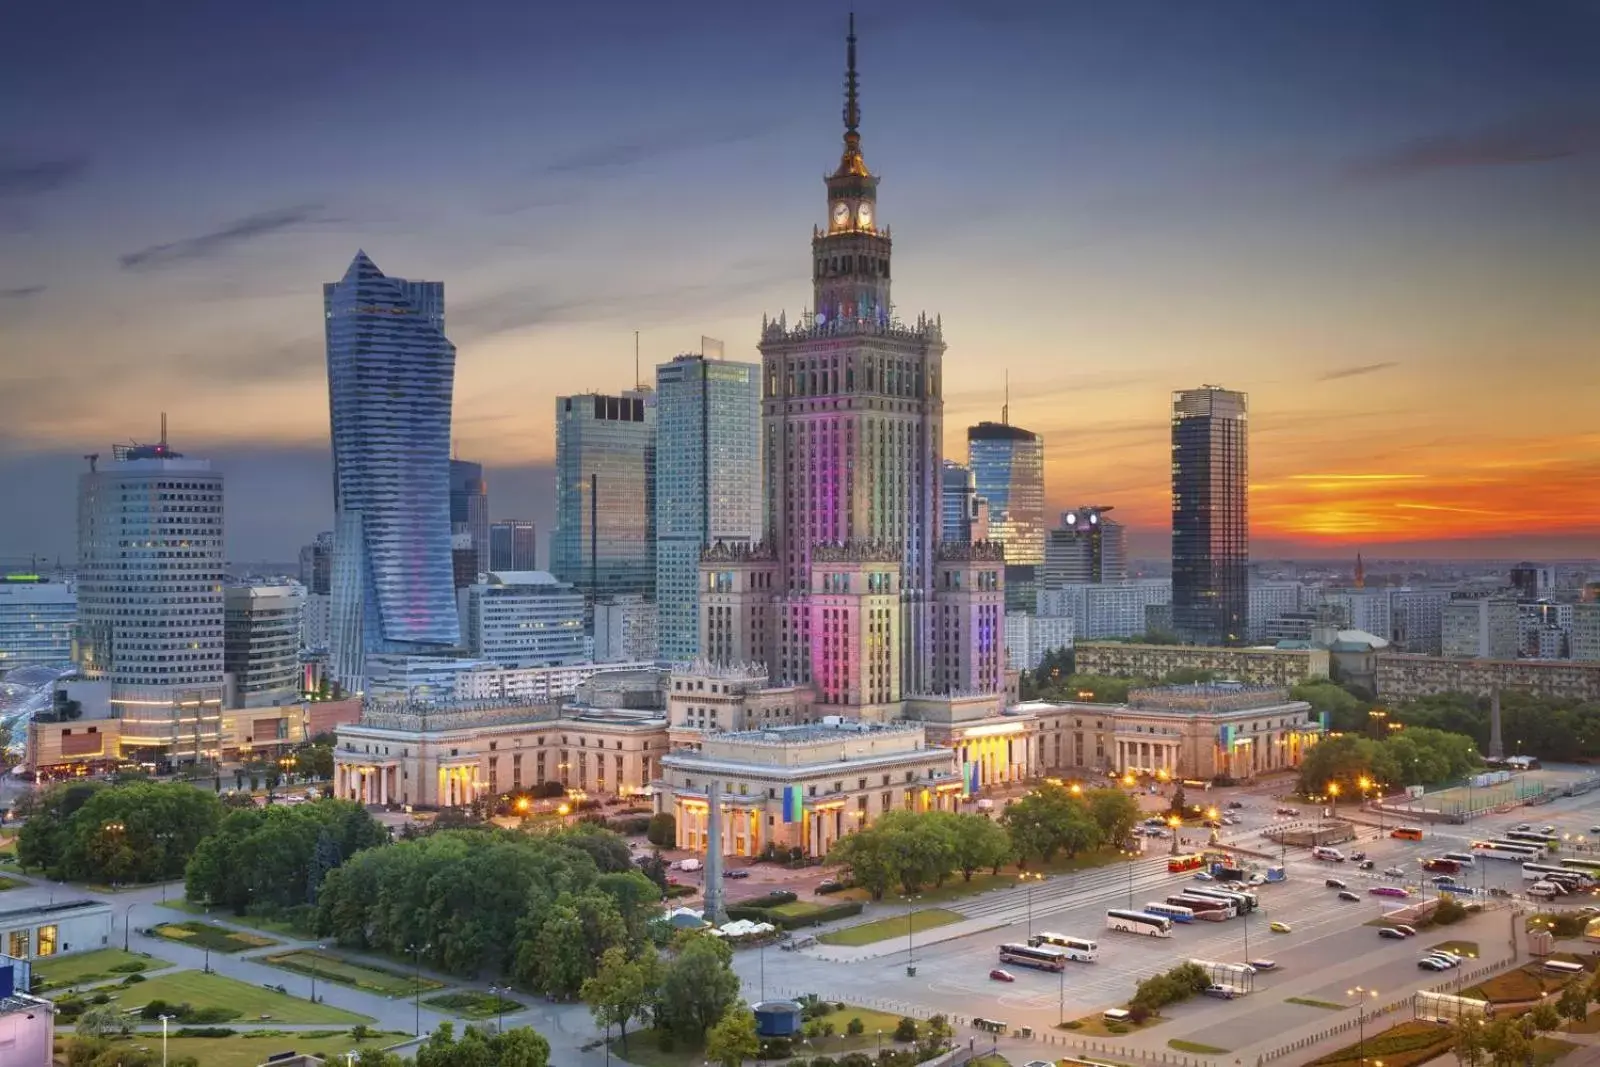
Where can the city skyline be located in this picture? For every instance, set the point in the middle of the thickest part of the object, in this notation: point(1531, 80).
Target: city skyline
point(1366, 266)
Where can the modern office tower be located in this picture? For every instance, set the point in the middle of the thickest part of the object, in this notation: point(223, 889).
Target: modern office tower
point(513, 545)
point(316, 565)
point(37, 621)
point(523, 619)
point(469, 506)
point(707, 485)
point(1210, 515)
point(1086, 547)
point(391, 373)
point(958, 503)
point(1029, 638)
point(604, 542)
point(463, 560)
point(1530, 581)
point(150, 598)
point(1479, 628)
point(1106, 609)
point(1272, 600)
point(261, 627)
point(1007, 464)
point(1583, 641)
point(625, 629)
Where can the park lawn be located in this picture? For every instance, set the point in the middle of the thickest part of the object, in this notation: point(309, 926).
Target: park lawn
point(253, 1003)
point(956, 887)
point(248, 1050)
point(1180, 1045)
point(1096, 1025)
point(10, 883)
point(1405, 1045)
point(1589, 1025)
point(332, 968)
point(644, 1051)
point(803, 909)
point(893, 926)
point(1550, 1049)
point(96, 966)
point(1516, 986)
point(255, 922)
point(471, 1004)
point(198, 934)
point(991, 1060)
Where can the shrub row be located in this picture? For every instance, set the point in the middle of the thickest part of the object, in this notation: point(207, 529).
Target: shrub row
point(842, 910)
point(771, 900)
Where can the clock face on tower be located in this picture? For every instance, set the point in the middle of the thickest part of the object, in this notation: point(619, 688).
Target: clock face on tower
point(864, 215)
point(841, 213)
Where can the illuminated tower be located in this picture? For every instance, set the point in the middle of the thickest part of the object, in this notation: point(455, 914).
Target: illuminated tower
point(1210, 515)
point(852, 426)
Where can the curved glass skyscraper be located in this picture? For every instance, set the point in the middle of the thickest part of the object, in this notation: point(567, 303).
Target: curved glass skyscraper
point(391, 372)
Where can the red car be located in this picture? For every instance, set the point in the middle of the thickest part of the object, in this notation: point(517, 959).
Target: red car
point(1002, 976)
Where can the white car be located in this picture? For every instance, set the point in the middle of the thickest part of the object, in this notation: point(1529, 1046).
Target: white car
point(1394, 872)
point(1203, 876)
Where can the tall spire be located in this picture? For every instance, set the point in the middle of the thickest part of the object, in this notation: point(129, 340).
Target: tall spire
point(851, 162)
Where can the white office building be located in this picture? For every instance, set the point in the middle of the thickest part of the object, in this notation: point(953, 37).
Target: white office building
point(1270, 601)
point(37, 620)
point(316, 621)
point(150, 614)
point(1583, 640)
point(1030, 637)
point(1105, 609)
point(1362, 609)
point(1479, 628)
point(625, 630)
point(261, 644)
point(523, 619)
point(1417, 619)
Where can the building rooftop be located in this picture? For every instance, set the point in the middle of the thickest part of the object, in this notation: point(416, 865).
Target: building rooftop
point(1206, 698)
point(58, 908)
point(806, 733)
point(523, 578)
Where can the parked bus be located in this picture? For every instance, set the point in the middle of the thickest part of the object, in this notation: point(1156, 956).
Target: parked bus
point(1578, 863)
point(1044, 957)
point(1407, 833)
point(1533, 837)
point(1078, 949)
point(1137, 922)
point(1463, 858)
point(1505, 850)
point(1535, 872)
point(1242, 900)
point(1207, 908)
point(1563, 967)
point(1183, 864)
point(1178, 913)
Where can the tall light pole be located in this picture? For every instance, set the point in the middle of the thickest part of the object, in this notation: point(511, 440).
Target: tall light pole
point(416, 951)
point(1361, 1020)
point(500, 1008)
point(127, 916)
point(1029, 879)
point(911, 959)
point(164, 1019)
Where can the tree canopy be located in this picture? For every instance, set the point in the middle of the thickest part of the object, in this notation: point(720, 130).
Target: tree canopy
point(137, 832)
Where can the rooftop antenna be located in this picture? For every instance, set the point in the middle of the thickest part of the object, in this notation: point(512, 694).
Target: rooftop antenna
point(636, 359)
point(163, 431)
point(1005, 408)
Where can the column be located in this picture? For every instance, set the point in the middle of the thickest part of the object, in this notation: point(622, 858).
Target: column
point(383, 786)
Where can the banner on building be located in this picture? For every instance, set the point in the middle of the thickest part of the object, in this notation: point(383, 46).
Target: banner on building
point(1322, 717)
point(1227, 735)
point(794, 804)
point(969, 779)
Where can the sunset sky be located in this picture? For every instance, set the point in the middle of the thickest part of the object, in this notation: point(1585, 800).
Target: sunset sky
point(1380, 219)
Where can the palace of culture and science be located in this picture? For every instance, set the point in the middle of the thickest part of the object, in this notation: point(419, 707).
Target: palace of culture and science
point(850, 662)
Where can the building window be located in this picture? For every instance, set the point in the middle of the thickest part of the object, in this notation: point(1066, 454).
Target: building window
point(17, 944)
point(47, 940)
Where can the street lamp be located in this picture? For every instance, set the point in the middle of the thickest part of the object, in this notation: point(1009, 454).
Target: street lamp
point(499, 1008)
point(911, 959)
point(1361, 1019)
point(1029, 879)
point(416, 951)
point(127, 916)
point(164, 1019)
point(1131, 855)
point(1174, 824)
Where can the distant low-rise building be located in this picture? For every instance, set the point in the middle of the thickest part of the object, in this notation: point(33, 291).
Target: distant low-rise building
point(1584, 638)
point(522, 619)
point(1479, 628)
point(1106, 609)
point(1253, 666)
point(59, 928)
point(37, 620)
point(1405, 677)
point(1272, 600)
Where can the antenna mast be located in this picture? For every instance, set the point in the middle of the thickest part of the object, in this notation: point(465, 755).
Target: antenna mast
point(1005, 407)
point(636, 359)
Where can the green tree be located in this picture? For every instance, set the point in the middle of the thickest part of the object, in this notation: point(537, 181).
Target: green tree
point(733, 1039)
point(864, 854)
point(521, 1046)
point(663, 830)
point(698, 987)
point(1574, 1002)
point(623, 990)
point(1048, 821)
point(939, 1031)
point(1114, 811)
point(980, 843)
point(1545, 1016)
point(138, 832)
point(1470, 1039)
point(1346, 714)
point(103, 1020)
point(1506, 1043)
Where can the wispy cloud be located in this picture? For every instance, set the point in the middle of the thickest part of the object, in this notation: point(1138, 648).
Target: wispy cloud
point(21, 293)
point(1356, 372)
point(221, 239)
point(35, 176)
point(646, 147)
point(1530, 138)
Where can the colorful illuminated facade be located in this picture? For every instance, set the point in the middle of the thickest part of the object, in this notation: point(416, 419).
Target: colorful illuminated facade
point(851, 592)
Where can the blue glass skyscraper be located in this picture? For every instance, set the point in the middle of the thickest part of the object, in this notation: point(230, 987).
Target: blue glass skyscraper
point(391, 372)
point(708, 482)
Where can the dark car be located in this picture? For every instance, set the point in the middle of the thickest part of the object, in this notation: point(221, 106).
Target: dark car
point(1212, 824)
point(1365, 865)
point(1334, 883)
point(829, 885)
point(1358, 855)
point(1391, 934)
point(737, 872)
point(1345, 894)
point(1235, 805)
point(1286, 811)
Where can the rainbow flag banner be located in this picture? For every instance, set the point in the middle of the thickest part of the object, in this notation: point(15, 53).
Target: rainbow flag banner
point(794, 804)
point(969, 779)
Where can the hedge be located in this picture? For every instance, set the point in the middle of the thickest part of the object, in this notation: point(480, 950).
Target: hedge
point(771, 900)
point(843, 910)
